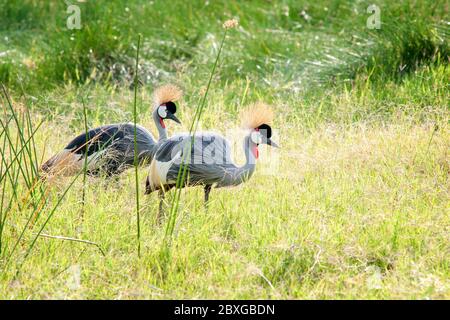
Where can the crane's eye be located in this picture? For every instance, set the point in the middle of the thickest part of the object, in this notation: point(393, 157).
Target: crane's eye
point(256, 137)
point(162, 111)
point(265, 130)
point(171, 107)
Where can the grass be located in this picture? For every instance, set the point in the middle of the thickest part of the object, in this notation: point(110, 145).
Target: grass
point(275, 46)
point(354, 205)
point(136, 161)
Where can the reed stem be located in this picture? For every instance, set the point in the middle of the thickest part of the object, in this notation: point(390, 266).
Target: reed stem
point(182, 173)
point(136, 156)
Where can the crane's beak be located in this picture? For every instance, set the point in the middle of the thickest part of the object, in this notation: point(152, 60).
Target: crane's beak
point(171, 116)
point(269, 142)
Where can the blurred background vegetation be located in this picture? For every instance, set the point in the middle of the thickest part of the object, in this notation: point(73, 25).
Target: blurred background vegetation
point(283, 45)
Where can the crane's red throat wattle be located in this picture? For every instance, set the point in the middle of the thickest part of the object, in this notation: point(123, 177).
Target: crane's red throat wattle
point(161, 121)
point(255, 151)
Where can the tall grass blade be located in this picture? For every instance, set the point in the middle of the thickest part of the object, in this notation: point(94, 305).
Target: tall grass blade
point(136, 159)
point(83, 196)
point(20, 130)
point(182, 173)
point(43, 235)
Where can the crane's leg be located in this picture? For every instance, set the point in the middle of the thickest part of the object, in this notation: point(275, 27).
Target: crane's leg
point(207, 191)
point(161, 202)
point(161, 195)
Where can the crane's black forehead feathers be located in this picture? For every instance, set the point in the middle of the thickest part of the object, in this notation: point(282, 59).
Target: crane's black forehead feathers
point(171, 107)
point(266, 130)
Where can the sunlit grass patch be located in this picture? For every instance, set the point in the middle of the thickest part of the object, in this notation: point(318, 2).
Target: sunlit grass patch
point(355, 204)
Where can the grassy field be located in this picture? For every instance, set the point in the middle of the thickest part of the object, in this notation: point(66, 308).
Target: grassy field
point(354, 205)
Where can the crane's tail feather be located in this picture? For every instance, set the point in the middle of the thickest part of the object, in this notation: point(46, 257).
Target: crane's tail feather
point(65, 163)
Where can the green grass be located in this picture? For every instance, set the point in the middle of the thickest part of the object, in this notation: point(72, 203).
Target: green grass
point(357, 205)
point(275, 46)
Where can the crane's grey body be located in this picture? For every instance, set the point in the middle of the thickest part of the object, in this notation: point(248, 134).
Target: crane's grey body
point(119, 155)
point(207, 157)
point(209, 161)
point(109, 148)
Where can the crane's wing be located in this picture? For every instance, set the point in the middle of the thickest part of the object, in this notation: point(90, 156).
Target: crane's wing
point(209, 159)
point(109, 147)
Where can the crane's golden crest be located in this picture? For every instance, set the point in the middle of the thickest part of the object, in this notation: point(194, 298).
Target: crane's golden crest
point(255, 115)
point(166, 93)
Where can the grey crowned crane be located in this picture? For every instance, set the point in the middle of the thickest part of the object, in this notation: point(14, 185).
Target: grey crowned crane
point(210, 164)
point(110, 148)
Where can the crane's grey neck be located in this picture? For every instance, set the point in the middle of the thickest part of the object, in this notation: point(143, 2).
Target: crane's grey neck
point(162, 132)
point(245, 172)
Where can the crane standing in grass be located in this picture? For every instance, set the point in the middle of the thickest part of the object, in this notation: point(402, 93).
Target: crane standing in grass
point(210, 162)
point(110, 148)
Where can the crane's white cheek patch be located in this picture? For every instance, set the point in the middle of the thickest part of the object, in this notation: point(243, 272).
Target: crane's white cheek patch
point(256, 137)
point(162, 111)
